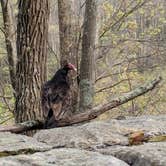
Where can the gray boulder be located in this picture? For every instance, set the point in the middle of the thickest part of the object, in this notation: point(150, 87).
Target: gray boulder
point(148, 154)
point(63, 157)
point(13, 144)
point(98, 143)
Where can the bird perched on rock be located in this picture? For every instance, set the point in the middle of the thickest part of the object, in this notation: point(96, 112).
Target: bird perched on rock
point(55, 93)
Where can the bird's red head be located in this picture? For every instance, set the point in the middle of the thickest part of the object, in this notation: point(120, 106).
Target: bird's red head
point(71, 67)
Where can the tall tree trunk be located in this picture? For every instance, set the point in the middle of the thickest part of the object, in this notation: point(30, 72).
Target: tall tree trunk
point(87, 59)
point(68, 47)
point(9, 32)
point(66, 31)
point(32, 33)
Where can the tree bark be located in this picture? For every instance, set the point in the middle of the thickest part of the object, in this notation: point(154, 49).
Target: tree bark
point(68, 48)
point(32, 33)
point(9, 32)
point(66, 31)
point(87, 115)
point(87, 59)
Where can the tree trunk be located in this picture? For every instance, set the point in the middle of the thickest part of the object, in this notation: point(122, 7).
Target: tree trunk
point(9, 32)
point(68, 47)
point(87, 59)
point(32, 33)
point(66, 28)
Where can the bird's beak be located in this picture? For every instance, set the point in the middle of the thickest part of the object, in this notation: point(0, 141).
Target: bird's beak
point(75, 69)
point(72, 67)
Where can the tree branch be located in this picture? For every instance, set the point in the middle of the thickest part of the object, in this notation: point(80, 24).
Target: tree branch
point(21, 127)
point(100, 109)
point(90, 114)
point(125, 15)
point(110, 86)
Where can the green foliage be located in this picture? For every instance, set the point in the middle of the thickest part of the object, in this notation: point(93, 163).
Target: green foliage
point(134, 55)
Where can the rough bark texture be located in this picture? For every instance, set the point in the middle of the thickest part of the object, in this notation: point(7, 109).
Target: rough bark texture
point(87, 59)
point(68, 47)
point(32, 32)
point(9, 33)
point(90, 114)
point(66, 27)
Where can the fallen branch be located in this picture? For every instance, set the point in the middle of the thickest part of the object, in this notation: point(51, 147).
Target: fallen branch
point(21, 127)
point(87, 115)
point(100, 109)
point(6, 119)
point(110, 86)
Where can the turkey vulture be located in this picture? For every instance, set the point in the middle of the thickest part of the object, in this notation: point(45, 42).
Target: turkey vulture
point(55, 95)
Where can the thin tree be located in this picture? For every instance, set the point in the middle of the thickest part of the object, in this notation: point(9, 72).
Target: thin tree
point(9, 32)
point(87, 59)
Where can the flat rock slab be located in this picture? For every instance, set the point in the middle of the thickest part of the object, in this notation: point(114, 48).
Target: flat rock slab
point(93, 143)
point(62, 157)
point(149, 124)
point(102, 133)
point(87, 136)
point(12, 144)
point(149, 154)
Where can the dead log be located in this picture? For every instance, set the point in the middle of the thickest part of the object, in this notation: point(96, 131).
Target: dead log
point(89, 114)
point(100, 109)
point(22, 127)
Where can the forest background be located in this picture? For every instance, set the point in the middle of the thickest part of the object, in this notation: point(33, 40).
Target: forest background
point(130, 42)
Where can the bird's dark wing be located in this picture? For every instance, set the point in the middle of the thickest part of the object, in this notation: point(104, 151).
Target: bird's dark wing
point(57, 109)
point(52, 100)
point(57, 99)
point(45, 101)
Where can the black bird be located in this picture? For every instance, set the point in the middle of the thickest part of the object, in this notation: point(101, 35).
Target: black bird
point(55, 95)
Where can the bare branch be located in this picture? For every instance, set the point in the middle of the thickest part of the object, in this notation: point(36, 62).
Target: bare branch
point(52, 51)
point(7, 119)
point(136, 7)
point(105, 75)
point(2, 30)
point(110, 86)
point(5, 99)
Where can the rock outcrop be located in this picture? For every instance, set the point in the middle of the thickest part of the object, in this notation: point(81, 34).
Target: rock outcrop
point(139, 141)
point(63, 157)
